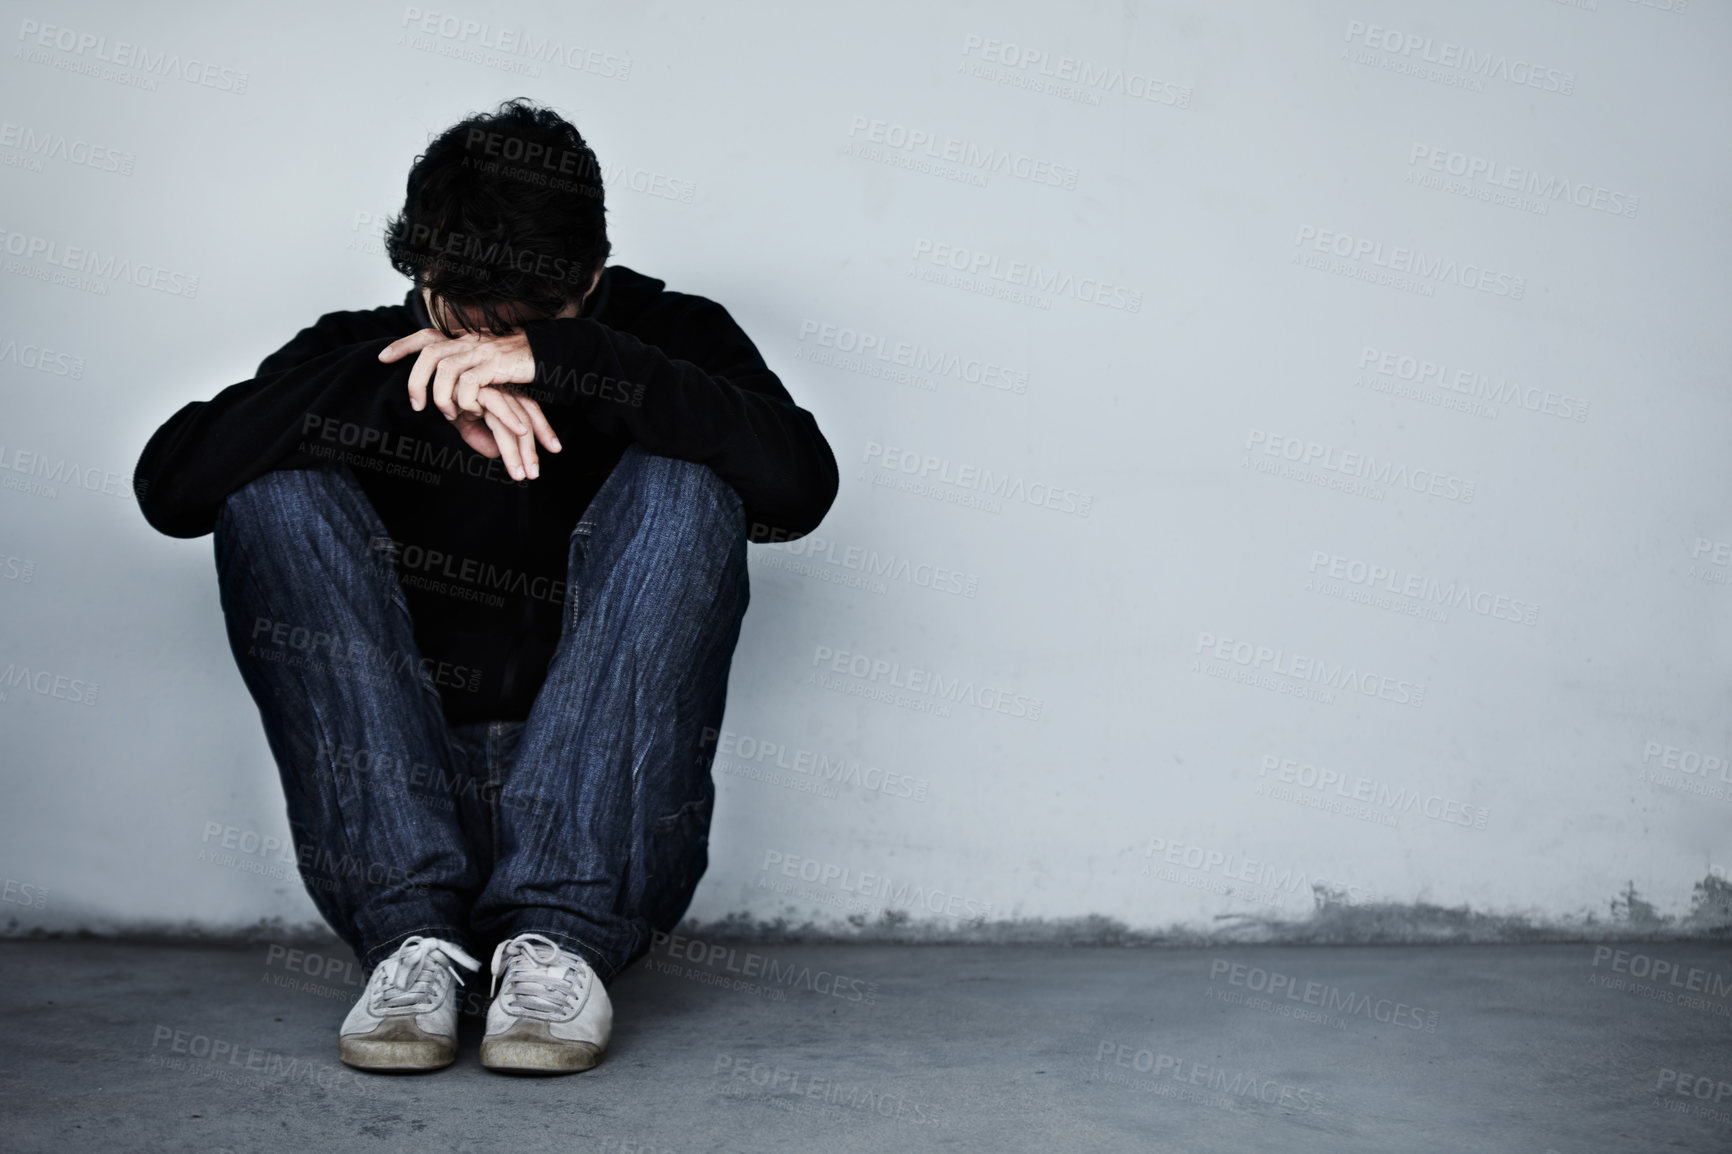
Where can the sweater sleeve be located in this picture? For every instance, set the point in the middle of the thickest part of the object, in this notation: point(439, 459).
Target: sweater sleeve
point(722, 407)
point(208, 449)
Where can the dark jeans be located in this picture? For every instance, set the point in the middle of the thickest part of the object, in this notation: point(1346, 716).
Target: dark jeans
point(589, 821)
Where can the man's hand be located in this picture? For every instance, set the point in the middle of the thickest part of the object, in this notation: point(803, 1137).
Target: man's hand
point(508, 426)
point(458, 369)
point(470, 378)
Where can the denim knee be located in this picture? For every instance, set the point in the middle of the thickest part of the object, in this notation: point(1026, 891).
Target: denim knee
point(285, 498)
point(691, 492)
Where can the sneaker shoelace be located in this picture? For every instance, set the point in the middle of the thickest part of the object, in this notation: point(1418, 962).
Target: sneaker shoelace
point(418, 977)
point(540, 980)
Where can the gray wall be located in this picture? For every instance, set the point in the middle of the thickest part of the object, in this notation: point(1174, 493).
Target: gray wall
point(1293, 435)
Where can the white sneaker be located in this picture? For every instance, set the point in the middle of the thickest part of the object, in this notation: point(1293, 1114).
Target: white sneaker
point(552, 1014)
point(407, 1017)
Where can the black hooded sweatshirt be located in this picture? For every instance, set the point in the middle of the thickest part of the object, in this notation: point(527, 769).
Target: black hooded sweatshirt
point(482, 558)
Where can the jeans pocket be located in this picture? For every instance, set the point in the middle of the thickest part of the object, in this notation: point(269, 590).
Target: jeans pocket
point(575, 556)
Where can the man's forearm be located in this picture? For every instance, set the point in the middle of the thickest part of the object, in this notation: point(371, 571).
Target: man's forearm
point(734, 417)
point(209, 449)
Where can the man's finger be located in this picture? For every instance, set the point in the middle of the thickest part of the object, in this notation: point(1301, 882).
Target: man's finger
point(413, 343)
point(526, 442)
point(478, 437)
point(522, 406)
point(445, 380)
point(507, 442)
point(430, 351)
point(506, 407)
point(517, 418)
point(480, 373)
point(422, 372)
point(526, 451)
point(510, 411)
point(538, 420)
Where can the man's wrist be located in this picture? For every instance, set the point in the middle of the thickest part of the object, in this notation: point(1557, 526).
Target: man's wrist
point(557, 346)
point(566, 351)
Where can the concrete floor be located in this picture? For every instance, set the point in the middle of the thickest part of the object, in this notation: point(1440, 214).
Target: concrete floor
point(1532, 1049)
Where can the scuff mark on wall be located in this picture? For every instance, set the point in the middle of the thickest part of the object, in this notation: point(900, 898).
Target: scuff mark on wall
point(1333, 922)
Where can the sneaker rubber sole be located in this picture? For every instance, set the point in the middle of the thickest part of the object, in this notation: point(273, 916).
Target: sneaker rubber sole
point(529, 1047)
point(396, 1045)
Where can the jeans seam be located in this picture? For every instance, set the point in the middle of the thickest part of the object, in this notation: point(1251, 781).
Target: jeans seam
point(450, 934)
point(261, 591)
point(392, 582)
point(243, 558)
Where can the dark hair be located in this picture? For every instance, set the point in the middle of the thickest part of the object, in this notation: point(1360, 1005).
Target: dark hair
point(504, 213)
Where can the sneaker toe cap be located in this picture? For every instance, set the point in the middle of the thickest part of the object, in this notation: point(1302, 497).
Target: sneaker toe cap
point(531, 1047)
